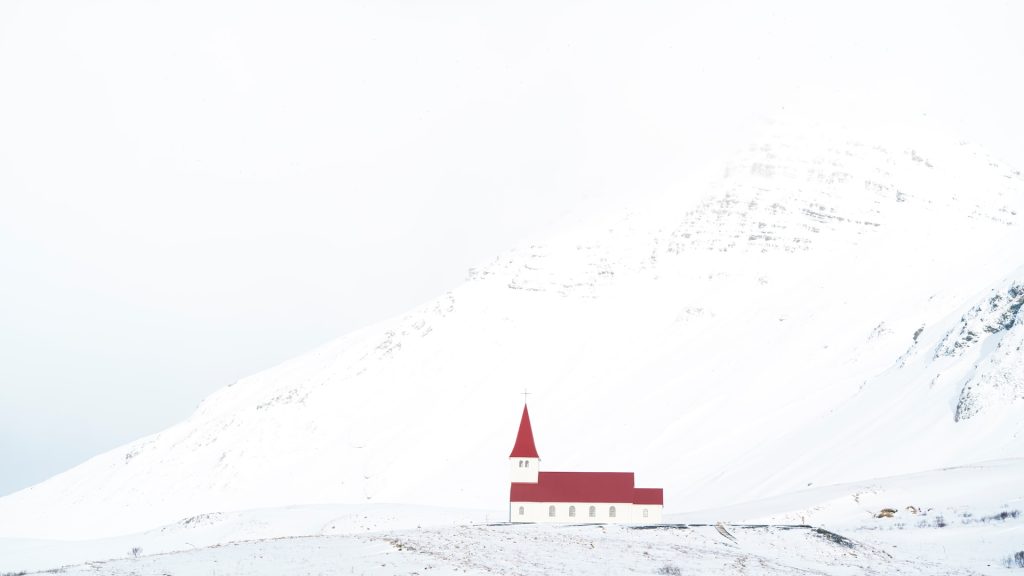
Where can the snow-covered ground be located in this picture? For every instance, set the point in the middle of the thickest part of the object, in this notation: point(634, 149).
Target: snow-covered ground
point(580, 549)
point(954, 521)
point(970, 517)
point(540, 550)
point(215, 529)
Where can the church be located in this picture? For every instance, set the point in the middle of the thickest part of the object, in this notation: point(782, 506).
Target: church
point(600, 497)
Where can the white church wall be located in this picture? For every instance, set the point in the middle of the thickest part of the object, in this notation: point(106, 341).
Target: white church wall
point(539, 512)
point(653, 514)
point(524, 469)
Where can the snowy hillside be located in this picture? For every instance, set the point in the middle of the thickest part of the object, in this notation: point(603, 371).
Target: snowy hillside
point(956, 521)
point(536, 550)
point(836, 305)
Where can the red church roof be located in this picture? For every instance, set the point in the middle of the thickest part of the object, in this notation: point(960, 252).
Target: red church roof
point(648, 496)
point(599, 487)
point(524, 447)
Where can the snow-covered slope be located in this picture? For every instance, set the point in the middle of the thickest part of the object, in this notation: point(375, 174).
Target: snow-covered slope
point(836, 304)
point(964, 520)
point(533, 550)
point(215, 529)
point(956, 521)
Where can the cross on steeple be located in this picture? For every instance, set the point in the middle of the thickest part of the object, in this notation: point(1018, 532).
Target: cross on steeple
point(525, 394)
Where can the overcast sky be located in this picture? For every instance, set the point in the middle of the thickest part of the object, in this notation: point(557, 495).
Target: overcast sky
point(191, 192)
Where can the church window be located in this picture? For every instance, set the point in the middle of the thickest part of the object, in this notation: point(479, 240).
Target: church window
point(551, 511)
point(522, 511)
point(611, 512)
point(527, 463)
point(645, 512)
point(593, 511)
point(572, 511)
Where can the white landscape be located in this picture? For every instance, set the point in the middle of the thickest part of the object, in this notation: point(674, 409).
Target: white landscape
point(814, 344)
point(832, 330)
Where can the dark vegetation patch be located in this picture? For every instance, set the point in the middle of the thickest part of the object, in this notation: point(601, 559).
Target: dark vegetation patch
point(663, 527)
point(1014, 560)
point(1002, 516)
point(834, 538)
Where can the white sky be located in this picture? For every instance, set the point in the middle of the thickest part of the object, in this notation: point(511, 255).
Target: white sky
point(193, 191)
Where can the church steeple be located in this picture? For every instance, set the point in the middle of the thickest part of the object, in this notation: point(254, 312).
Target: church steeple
point(524, 448)
point(524, 460)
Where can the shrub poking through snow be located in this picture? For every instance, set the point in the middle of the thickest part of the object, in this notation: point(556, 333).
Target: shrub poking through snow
point(833, 537)
point(1002, 516)
point(669, 570)
point(136, 551)
point(885, 513)
point(1014, 560)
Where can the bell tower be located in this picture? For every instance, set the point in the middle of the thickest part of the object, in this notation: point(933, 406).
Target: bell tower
point(524, 461)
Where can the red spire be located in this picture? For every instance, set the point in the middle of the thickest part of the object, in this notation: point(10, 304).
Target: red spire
point(524, 447)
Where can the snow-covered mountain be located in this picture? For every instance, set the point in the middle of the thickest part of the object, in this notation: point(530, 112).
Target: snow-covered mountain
point(836, 304)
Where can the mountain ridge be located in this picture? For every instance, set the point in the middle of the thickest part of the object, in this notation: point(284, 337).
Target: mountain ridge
point(720, 345)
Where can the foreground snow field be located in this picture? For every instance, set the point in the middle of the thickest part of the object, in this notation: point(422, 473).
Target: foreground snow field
point(967, 520)
point(535, 549)
point(546, 549)
point(215, 529)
